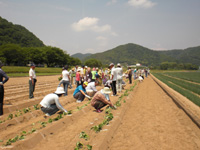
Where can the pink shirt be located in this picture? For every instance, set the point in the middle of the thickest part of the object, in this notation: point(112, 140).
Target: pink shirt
point(78, 76)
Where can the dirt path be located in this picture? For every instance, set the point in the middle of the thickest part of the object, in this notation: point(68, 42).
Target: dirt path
point(155, 122)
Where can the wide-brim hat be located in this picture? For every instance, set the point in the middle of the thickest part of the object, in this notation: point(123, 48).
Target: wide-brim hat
point(111, 64)
point(106, 90)
point(60, 90)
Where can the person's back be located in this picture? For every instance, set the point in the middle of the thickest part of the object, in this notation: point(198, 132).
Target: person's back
point(65, 75)
point(119, 73)
point(49, 99)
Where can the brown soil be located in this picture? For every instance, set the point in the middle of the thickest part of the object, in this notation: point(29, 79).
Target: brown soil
point(148, 119)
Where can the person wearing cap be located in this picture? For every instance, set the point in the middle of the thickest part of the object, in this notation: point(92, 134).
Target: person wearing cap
point(50, 103)
point(91, 88)
point(113, 78)
point(2, 82)
point(119, 72)
point(101, 99)
point(80, 92)
point(32, 80)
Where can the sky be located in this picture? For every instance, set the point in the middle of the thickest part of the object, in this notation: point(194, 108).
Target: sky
point(92, 26)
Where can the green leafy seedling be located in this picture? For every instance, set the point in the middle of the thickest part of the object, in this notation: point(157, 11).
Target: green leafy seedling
point(10, 116)
point(50, 120)
point(84, 135)
point(69, 112)
point(89, 147)
point(44, 124)
point(1, 140)
point(36, 106)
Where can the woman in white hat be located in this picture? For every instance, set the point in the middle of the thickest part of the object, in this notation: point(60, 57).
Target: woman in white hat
point(101, 99)
point(50, 103)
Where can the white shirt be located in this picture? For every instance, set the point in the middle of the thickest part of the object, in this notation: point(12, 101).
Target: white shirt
point(50, 99)
point(91, 87)
point(119, 72)
point(114, 73)
point(65, 75)
point(32, 74)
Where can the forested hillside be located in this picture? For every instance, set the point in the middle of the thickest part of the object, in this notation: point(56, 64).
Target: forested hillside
point(81, 56)
point(17, 34)
point(132, 54)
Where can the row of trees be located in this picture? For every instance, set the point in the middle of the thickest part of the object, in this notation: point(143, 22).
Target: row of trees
point(12, 54)
point(178, 66)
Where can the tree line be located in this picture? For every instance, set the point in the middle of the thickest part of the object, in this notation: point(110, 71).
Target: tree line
point(15, 55)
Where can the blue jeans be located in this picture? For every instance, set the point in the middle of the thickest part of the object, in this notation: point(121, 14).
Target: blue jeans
point(65, 85)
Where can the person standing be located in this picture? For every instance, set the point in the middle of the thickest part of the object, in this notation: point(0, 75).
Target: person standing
point(2, 82)
point(65, 79)
point(119, 77)
point(113, 78)
point(130, 75)
point(32, 81)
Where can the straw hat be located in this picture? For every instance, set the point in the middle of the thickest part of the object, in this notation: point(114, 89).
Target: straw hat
point(106, 90)
point(59, 90)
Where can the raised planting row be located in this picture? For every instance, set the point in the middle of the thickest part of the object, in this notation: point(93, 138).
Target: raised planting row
point(180, 86)
point(79, 111)
point(85, 140)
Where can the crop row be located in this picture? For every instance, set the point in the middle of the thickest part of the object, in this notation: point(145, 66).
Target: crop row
point(190, 76)
point(182, 87)
point(107, 118)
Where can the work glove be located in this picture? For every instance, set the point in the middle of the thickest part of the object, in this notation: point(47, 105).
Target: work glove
point(1, 83)
point(88, 96)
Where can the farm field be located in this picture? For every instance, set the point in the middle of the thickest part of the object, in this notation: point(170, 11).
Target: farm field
point(186, 83)
point(141, 120)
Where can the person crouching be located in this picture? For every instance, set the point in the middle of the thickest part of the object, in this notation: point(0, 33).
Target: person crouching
point(80, 92)
point(101, 99)
point(50, 103)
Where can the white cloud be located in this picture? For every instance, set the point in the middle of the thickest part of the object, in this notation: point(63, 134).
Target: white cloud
point(111, 2)
point(141, 3)
point(90, 24)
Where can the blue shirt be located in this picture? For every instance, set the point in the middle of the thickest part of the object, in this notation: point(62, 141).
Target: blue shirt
point(80, 87)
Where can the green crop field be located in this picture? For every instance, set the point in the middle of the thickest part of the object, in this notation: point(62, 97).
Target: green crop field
point(186, 83)
point(15, 71)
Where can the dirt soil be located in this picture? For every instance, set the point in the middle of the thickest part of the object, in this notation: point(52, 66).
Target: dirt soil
point(152, 121)
point(155, 122)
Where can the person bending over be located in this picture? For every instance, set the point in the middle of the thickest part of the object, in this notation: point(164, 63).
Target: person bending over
point(50, 103)
point(80, 92)
point(101, 99)
point(91, 88)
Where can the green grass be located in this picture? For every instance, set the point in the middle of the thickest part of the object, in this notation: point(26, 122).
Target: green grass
point(175, 84)
point(15, 71)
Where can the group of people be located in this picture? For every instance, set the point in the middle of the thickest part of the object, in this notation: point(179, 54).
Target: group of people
point(86, 82)
point(85, 79)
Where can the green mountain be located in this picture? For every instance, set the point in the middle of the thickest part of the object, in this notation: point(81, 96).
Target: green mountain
point(189, 55)
point(81, 56)
point(131, 54)
point(17, 34)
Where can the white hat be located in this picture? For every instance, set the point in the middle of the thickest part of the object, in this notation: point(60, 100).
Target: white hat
point(59, 90)
point(106, 90)
point(111, 64)
point(79, 69)
point(119, 65)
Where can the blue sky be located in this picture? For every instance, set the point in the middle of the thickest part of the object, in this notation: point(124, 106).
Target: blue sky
point(91, 26)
